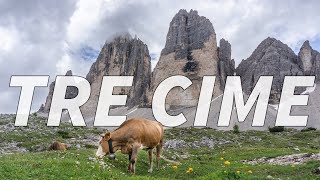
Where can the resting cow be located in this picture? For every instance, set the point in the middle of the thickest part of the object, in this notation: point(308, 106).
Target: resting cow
point(58, 146)
point(129, 137)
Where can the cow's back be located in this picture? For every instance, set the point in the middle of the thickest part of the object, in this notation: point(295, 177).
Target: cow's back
point(147, 132)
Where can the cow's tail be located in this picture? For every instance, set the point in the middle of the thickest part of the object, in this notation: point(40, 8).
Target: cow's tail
point(162, 135)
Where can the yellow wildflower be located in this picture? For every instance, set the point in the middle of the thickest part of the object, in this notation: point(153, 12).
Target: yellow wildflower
point(174, 167)
point(250, 172)
point(238, 172)
point(227, 163)
point(190, 169)
point(221, 158)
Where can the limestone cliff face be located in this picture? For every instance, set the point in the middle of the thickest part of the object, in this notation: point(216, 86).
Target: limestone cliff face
point(273, 58)
point(305, 58)
point(190, 50)
point(226, 64)
point(309, 60)
point(124, 56)
point(71, 92)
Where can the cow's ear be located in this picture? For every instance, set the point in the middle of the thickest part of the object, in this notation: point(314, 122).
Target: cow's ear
point(107, 136)
point(102, 135)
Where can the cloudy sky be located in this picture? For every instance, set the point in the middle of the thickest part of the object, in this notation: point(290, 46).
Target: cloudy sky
point(45, 37)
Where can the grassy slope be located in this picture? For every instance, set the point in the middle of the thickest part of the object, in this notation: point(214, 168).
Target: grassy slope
point(206, 163)
point(75, 164)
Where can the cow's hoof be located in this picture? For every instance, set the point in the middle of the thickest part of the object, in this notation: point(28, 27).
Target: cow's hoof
point(150, 171)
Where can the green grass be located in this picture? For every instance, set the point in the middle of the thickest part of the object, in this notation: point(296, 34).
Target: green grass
point(206, 165)
point(205, 162)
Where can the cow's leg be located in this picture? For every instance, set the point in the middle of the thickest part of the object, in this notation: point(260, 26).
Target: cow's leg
point(159, 148)
point(130, 165)
point(150, 160)
point(134, 156)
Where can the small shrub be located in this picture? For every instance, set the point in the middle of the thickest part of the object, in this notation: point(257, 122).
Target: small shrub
point(231, 175)
point(90, 146)
point(308, 129)
point(64, 134)
point(3, 122)
point(236, 129)
point(276, 129)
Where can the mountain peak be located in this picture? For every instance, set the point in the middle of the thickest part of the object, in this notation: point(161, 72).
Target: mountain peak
point(306, 59)
point(69, 73)
point(191, 50)
point(306, 44)
point(271, 57)
point(187, 31)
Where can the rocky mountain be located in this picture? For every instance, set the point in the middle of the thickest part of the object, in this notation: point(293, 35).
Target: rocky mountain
point(271, 57)
point(123, 56)
point(70, 93)
point(309, 60)
point(191, 50)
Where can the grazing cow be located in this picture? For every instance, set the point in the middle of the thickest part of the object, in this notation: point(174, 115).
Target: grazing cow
point(58, 146)
point(129, 137)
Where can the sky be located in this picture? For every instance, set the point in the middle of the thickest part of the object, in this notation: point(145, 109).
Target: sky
point(45, 37)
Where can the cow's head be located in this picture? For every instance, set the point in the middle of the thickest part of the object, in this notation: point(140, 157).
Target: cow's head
point(104, 146)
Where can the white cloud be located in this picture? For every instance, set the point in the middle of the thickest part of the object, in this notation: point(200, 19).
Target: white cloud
point(83, 21)
point(8, 39)
point(33, 33)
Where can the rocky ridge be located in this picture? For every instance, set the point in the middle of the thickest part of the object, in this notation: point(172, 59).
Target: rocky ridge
point(273, 58)
point(191, 50)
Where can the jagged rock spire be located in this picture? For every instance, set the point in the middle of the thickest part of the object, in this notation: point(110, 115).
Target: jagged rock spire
point(70, 93)
point(187, 31)
point(226, 64)
point(309, 60)
point(123, 56)
point(191, 51)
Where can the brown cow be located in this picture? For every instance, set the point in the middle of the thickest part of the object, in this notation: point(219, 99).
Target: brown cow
point(58, 146)
point(129, 137)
